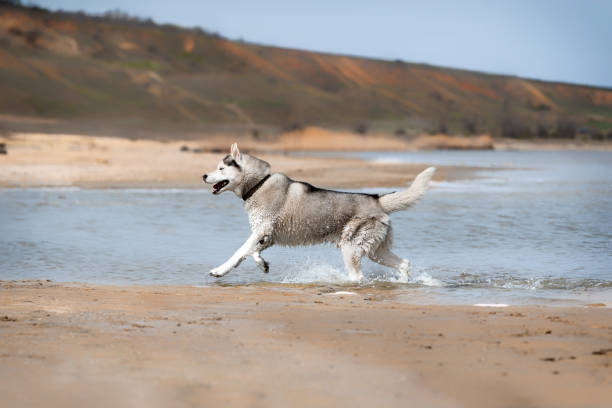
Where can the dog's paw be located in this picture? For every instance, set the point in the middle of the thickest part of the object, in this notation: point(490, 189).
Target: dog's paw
point(355, 277)
point(404, 267)
point(219, 271)
point(261, 263)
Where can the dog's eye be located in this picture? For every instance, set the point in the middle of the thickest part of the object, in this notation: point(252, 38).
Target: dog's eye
point(221, 168)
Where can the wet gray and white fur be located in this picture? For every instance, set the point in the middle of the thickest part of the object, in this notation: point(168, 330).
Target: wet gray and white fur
point(293, 213)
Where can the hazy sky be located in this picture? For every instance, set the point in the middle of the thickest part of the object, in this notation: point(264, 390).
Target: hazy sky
point(559, 40)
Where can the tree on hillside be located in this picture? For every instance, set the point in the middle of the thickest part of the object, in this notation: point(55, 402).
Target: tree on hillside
point(122, 16)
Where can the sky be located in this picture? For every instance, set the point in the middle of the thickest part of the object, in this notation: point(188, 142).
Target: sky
point(556, 40)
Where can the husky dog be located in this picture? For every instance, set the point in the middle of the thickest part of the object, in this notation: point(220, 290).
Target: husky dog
point(288, 212)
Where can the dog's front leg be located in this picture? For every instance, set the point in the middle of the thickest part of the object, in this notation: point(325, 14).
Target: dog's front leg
point(264, 242)
point(261, 263)
point(251, 245)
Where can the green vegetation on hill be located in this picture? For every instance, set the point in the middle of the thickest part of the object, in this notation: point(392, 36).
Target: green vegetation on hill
point(117, 72)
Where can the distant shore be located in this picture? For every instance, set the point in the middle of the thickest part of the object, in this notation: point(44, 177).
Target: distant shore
point(51, 160)
point(552, 145)
point(277, 346)
point(43, 160)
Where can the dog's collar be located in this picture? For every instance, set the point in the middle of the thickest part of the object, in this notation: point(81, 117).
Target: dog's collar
point(256, 187)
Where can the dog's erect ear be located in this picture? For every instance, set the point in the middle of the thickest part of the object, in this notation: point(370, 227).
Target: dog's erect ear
point(235, 153)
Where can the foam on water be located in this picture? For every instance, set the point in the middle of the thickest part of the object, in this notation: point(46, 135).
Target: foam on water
point(533, 283)
point(426, 279)
point(311, 271)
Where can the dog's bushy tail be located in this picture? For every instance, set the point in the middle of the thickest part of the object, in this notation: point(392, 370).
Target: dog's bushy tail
point(402, 200)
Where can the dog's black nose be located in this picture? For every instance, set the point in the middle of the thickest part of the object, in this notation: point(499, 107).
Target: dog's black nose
point(204, 177)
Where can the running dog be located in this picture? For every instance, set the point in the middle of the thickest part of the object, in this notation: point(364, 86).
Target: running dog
point(293, 213)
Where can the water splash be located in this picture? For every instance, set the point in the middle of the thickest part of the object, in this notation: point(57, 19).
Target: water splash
point(315, 272)
point(426, 279)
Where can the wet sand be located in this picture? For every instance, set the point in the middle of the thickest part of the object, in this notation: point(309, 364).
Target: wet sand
point(270, 345)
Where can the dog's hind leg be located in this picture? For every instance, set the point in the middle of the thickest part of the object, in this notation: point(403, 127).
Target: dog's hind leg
point(361, 236)
point(384, 256)
point(352, 259)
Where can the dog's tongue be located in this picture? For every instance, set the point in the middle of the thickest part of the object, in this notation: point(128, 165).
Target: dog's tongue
point(218, 186)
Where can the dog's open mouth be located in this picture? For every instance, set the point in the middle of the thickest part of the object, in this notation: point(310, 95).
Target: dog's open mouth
point(218, 186)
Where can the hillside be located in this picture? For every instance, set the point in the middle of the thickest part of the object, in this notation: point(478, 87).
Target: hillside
point(117, 75)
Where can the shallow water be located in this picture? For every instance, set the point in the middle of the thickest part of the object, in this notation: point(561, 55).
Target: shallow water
point(537, 229)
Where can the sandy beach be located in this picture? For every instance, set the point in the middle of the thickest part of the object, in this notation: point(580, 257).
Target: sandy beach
point(56, 160)
point(155, 346)
point(43, 160)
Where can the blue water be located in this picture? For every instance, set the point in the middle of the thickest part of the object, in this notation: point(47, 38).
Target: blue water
point(536, 228)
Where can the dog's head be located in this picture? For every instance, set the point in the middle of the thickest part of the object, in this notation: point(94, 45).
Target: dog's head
point(237, 172)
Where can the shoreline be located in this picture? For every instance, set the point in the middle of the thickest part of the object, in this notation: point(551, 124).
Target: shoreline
point(52, 160)
point(39, 160)
point(269, 346)
point(410, 294)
